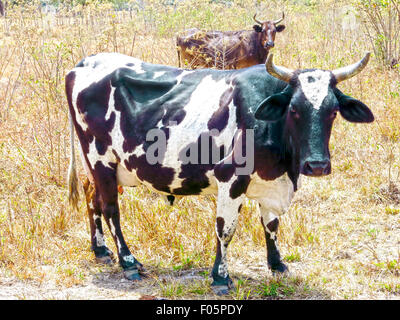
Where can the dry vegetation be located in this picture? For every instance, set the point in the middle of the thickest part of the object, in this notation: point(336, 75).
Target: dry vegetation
point(341, 237)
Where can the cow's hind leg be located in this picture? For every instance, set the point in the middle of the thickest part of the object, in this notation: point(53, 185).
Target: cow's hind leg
point(102, 253)
point(107, 187)
point(270, 223)
point(226, 222)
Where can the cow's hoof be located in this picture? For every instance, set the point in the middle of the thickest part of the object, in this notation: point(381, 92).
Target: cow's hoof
point(222, 286)
point(132, 274)
point(105, 260)
point(106, 256)
point(279, 268)
point(140, 267)
point(221, 290)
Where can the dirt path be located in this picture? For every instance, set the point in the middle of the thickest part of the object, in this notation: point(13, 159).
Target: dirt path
point(107, 286)
point(113, 289)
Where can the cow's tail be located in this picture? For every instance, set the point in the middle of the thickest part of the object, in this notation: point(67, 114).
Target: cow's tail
point(178, 51)
point(73, 195)
point(179, 57)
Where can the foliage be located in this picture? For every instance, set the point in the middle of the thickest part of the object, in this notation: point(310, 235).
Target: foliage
point(382, 28)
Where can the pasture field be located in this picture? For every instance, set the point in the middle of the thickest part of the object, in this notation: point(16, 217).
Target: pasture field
point(340, 238)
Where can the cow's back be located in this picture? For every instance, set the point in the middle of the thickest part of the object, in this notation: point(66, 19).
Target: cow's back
point(219, 49)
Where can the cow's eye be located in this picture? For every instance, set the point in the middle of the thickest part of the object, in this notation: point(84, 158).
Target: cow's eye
point(333, 114)
point(294, 113)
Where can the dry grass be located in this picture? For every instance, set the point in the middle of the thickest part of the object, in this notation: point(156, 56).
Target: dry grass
point(341, 236)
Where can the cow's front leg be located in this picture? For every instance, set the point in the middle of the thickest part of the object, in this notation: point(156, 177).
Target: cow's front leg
point(270, 223)
point(226, 222)
point(102, 253)
point(108, 190)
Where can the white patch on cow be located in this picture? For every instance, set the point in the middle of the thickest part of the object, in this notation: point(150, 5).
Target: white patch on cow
point(112, 228)
point(85, 165)
point(269, 35)
point(225, 136)
point(100, 242)
point(228, 210)
point(107, 62)
point(116, 134)
point(99, 238)
point(213, 187)
point(275, 195)
point(186, 132)
point(129, 259)
point(79, 116)
point(91, 205)
point(139, 151)
point(158, 74)
point(299, 181)
point(314, 85)
point(184, 73)
point(126, 177)
point(223, 267)
point(202, 104)
point(94, 157)
point(111, 108)
point(137, 67)
point(267, 217)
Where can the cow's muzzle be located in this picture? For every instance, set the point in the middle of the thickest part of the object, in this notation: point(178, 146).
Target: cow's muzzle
point(316, 168)
point(269, 44)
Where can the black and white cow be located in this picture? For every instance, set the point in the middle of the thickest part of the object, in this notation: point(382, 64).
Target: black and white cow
point(261, 130)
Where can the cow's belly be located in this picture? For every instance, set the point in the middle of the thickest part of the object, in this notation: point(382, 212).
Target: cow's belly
point(275, 195)
point(126, 177)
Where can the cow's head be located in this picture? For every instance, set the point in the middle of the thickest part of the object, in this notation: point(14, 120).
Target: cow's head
point(309, 105)
point(268, 30)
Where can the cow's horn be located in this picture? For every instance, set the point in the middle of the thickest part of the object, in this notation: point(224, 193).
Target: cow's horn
point(281, 73)
point(279, 20)
point(351, 70)
point(254, 17)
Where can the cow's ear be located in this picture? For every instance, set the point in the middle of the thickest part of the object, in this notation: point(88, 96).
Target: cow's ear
point(257, 28)
point(273, 108)
point(280, 28)
point(353, 110)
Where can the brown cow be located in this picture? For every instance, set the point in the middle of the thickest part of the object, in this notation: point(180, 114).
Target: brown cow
point(230, 49)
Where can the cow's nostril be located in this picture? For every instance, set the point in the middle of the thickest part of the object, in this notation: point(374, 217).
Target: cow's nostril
point(316, 168)
point(307, 167)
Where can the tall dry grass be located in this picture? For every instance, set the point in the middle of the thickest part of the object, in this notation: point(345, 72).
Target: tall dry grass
point(341, 235)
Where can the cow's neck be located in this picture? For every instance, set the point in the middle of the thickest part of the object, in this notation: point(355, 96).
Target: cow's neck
point(293, 161)
point(274, 151)
point(258, 51)
point(274, 154)
point(261, 50)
